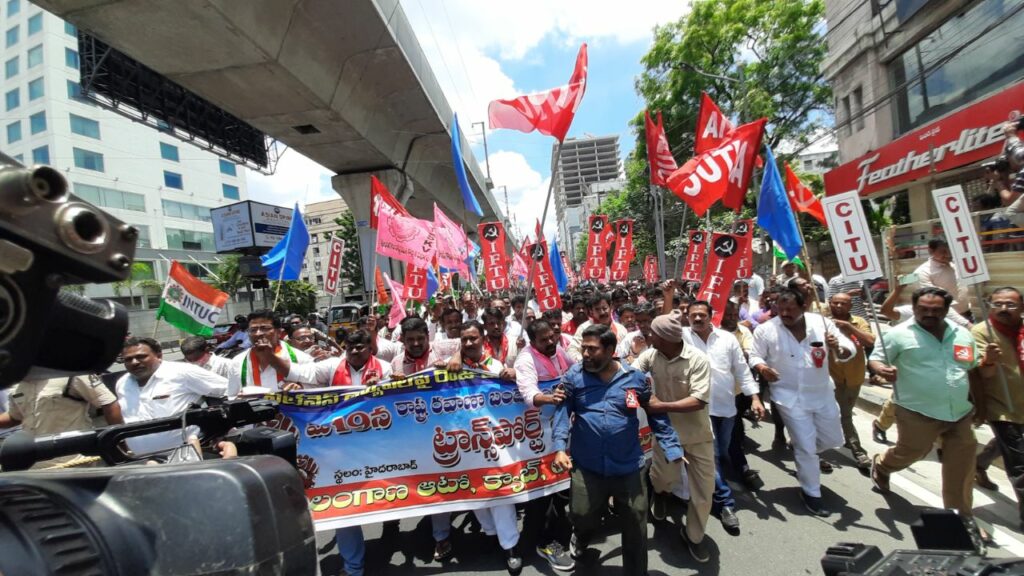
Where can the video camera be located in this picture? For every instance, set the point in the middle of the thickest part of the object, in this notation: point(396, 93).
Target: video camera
point(240, 516)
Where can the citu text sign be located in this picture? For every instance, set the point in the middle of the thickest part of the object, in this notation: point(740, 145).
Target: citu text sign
point(335, 250)
point(964, 245)
point(851, 237)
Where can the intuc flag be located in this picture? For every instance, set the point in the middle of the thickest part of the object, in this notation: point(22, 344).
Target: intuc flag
point(452, 244)
point(720, 173)
point(492, 246)
point(188, 304)
point(382, 200)
point(659, 155)
point(405, 238)
point(723, 262)
point(415, 284)
point(544, 284)
point(650, 269)
point(694, 267)
point(802, 198)
point(623, 250)
point(548, 112)
point(712, 126)
point(744, 229)
point(594, 265)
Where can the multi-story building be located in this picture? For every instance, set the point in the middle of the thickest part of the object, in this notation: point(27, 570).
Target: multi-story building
point(319, 217)
point(581, 163)
point(163, 186)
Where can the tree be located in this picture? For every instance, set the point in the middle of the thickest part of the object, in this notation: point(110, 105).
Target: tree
point(141, 278)
point(229, 276)
point(297, 297)
point(351, 274)
point(755, 59)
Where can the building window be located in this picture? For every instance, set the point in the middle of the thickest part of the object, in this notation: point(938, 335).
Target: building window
point(70, 29)
point(37, 123)
point(230, 191)
point(41, 155)
point(36, 89)
point(11, 68)
point(14, 132)
point(320, 279)
point(12, 36)
point(982, 67)
point(173, 180)
point(71, 58)
point(88, 160)
point(143, 241)
point(168, 152)
point(109, 198)
point(13, 99)
point(857, 108)
point(74, 90)
point(227, 168)
point(34, 57)
point(35, 24)
point(85, 126)
point(314, 238)
point(189, 240)
point(13, 7)
point(186, 211)
point(845, 111)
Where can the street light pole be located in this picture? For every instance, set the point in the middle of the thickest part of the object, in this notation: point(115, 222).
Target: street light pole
point(487, 158)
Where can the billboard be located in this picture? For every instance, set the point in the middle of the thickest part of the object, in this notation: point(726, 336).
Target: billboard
point(248, 225)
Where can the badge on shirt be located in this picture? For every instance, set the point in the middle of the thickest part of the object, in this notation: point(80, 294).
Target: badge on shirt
point(631, 399)
point(963, 353)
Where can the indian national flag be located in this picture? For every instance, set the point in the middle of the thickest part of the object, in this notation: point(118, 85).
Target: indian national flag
point(188, 304)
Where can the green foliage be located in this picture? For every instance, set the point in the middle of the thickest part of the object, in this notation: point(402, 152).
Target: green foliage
point(141, 279)
point(76, 289)
point(297, 297)
point(351, 274)
point(229, 276)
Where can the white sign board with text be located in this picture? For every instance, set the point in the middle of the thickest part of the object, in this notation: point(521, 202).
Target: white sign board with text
point(958, 225)
point(247, 224)
point(851, 237)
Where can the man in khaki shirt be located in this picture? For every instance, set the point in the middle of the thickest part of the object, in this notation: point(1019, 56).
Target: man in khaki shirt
point(682, 385)
point(849, 376)
point(45, 407)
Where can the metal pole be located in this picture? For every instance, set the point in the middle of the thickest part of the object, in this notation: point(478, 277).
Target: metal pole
point(543, 218)
point(878, 328)
point(682, 231)
point(487, 159)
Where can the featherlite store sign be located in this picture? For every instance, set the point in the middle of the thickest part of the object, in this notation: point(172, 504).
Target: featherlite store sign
point(972, 134)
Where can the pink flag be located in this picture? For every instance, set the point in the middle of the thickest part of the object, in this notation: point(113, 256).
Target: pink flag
point(520, 269)
point(548, 112)
point(397, 313)
point(452, 244)
point(405, 238)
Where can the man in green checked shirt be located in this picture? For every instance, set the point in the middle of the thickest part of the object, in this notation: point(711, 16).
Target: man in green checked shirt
point(928, 361)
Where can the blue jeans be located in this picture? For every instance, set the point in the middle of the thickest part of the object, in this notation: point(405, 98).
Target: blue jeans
point(351, 549)
point(722, 428)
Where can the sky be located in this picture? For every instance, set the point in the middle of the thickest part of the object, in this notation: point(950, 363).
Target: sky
point(482, 51)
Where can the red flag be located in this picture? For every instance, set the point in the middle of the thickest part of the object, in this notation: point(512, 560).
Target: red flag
point(548, 112)
point(593, 267)
point(492, 252)
point(544, 285)
point(382, 293)
point(659, 155)
point(802, 198)
point(720, 173)
point(723, 261)
point(712, 126)
point(415, 284)
point(381, 199)
point(745, 230)
point(650, 269)
point(623, 250)
point(569, 271)
point(694, 267)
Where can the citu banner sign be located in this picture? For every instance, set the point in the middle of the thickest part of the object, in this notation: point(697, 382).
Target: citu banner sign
point(851, 237)
point(335, 250)
point(492, 251)
point(723, 262)
point(623, 249)
point(597, 247)
point(694, 264)
point(544, 285)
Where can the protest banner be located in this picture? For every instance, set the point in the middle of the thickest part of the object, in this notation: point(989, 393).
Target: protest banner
point(415, 284)
point(432, 442)
point(745, 230)
point(452, 243)
point(334, 251)
point(851, 237)
point(694, 267)
point(957, 224)
point(544, 284)
point(623, 250)
point(650, 269)
point(405, 238)
point(594, 265)
point(723, 263)
point(492, 245)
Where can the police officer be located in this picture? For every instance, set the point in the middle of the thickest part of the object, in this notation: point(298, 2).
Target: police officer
point(55, 405)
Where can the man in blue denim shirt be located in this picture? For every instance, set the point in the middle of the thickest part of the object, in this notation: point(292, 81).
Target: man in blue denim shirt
point(605, 397)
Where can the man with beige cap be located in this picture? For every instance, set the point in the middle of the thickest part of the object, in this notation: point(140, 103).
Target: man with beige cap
point(682, 384)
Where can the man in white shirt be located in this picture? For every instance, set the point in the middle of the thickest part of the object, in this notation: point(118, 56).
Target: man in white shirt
point(269, 361)
point(358, 367)
point(447, 342)
point(938, 271)
point(197, 352)
point(756, 286)
point(599, 308)
point(791, 352)
point(417, 354)
point(728, 370)
point(635, 342)
point(157, 388)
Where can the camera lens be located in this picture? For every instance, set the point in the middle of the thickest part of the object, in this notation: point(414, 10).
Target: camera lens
point(82, 229)
point(48, 184)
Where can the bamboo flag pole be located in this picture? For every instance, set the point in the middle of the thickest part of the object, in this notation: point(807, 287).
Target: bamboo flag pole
point(543, 218)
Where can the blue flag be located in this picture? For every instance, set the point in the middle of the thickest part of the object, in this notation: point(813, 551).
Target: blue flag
point(773, 212)
point(284, 261)
point(468, 200)
point(432, 283)
point(561, 279)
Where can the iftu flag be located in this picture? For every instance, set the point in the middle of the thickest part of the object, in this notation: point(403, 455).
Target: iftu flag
point(548, 112)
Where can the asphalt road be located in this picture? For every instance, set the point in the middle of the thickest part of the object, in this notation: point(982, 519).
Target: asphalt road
point(777, 536)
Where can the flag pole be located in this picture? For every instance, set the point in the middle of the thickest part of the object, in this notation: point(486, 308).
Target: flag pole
point(810, 270)
point(284, 259)
point(543, 218)
point(682, 231)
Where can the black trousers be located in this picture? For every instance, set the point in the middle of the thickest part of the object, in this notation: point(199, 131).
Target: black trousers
point(546, 519)
point(1011, 444)
point(737, 457)
point(588, 499)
